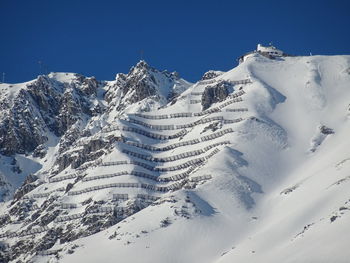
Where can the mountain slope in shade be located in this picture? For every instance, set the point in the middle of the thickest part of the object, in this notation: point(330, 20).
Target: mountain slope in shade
point(249, 165)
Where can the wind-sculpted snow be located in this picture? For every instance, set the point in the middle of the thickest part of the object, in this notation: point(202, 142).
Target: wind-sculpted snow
point(249, 165)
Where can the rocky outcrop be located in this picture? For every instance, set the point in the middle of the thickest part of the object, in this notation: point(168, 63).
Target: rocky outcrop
point(211, 74)
point(143, 82)
point(90, 151)
point(217, 93)
point(44, 105)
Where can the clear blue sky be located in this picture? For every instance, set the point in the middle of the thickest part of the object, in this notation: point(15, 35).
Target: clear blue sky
point(101, 38)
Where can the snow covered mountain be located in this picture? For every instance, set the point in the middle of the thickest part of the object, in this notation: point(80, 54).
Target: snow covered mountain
point(249, 165)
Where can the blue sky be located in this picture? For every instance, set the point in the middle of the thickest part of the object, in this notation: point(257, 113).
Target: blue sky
point(102, 38)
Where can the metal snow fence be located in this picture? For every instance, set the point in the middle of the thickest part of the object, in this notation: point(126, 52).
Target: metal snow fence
point(62, 178)
point(181, 115)
point(68, 217)
point(113, 163)
point(237, 110)
point(230, 102)
point(68, 206)
point(216, 135)
point(152, 117)
point(102, 176)
point(33, 231)
point(165, 148)
point(145, 175)
point(44, 195)
point(232, 121)
point(216, 150)
point(200, 178)
point(243, 81)
point(138, 155)
point(48, 252)
point(103, 209)
point(148, 197)
point(195, 101)
point(209, 111)
point(99, 187)
point(196, 93)
point(204, 82)
point(120, 196)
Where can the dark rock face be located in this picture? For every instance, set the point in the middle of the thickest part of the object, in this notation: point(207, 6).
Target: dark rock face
point(20, 130)
point(90, 152)
point(217, 93)
point(44, 105)
point(325, 130)
point(210, 75)
point(141, 82)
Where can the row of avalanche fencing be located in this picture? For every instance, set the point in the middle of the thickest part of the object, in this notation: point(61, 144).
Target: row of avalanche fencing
point(237, 110)
point(140, 196)
point(174, 186)
point(236, 95)
point(189, 114)
point(232, 121)
point(139, 174)
point(44, 195)
point(135, 173)
point(216, 150)
point(162, 149)
point(48, 252)
point(25, 232)
point(195, 101)
point(165, 159)
point(129, 185)
point(200, 178)
point(175, 127)
point(168, 147)
point(149, 157)
point(62, 178)
point(216, 135)
point(145, 133)
point(68, 206)
point(167, 169)
point(105, 209)
point(148, 197)
point(68, 217)
point(223, 105)
point(233, 82)
point(117, 197)
point(102, 209)
point(196, 93)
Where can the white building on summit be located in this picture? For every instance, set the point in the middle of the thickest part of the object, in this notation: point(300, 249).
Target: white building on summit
point(267, 51)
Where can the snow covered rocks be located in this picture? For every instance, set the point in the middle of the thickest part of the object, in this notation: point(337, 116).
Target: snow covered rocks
point(151, 168)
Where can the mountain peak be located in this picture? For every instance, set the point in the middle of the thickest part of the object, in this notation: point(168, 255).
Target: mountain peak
point(235, 153)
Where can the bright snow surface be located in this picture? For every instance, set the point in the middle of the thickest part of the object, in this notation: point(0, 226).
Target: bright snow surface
point(271, 199)
point(279, 191)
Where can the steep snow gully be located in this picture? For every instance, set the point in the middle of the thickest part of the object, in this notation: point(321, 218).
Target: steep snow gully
point(249, 165)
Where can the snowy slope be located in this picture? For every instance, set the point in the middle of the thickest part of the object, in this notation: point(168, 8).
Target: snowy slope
point(297, 193)
point(260, 175)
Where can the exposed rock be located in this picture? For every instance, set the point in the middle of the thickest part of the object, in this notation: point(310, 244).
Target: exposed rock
point(211, 74)
point(90, 152)
point(143, 82)
point(325, 130)
point(217, 93)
